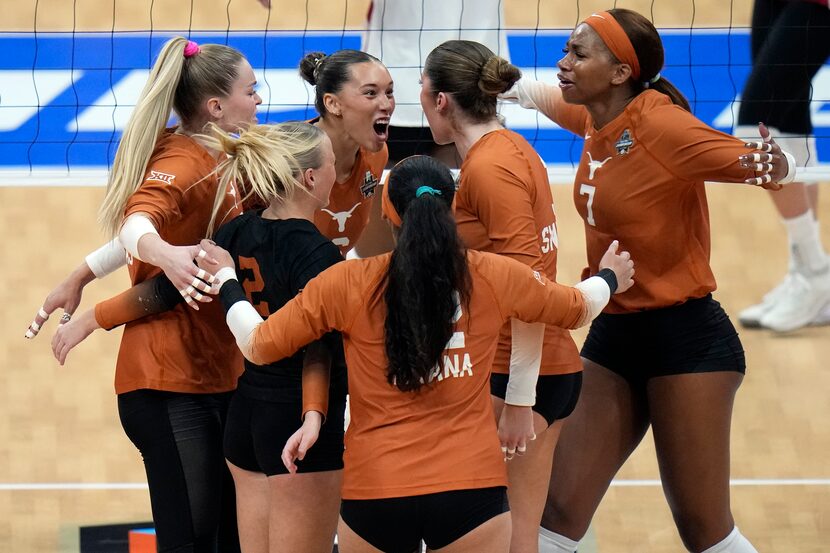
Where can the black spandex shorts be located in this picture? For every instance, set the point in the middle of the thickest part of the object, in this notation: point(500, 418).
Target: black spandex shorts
point(398, 524)
point(556, 394)
point(258, 428)
point(693, 337)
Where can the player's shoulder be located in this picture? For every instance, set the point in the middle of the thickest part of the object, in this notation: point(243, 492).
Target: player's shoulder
point(177, 160)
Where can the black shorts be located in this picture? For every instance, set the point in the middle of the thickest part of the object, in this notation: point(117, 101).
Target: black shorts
point(398, 524)
point(693, 337)
point(556, 394)
point(257, 430)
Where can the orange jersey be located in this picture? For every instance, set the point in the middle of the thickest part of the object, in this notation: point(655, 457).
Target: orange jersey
point(504, 206)
point(641, 181)
point(347, 214)
point(180, 350)
point(442, 437)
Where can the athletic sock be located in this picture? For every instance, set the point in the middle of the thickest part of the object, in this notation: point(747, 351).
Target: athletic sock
point(551, 542)
point(735, 542)
point(806, 252)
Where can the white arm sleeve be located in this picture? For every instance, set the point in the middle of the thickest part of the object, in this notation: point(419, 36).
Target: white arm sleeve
point(243, 319)
point(107, 258)
point(136, 226)
point(525, 359)
point(597, 294)
point(527, 92)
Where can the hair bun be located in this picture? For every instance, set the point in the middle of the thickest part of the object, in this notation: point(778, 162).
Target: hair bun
point(498, 75)
point(310, 66)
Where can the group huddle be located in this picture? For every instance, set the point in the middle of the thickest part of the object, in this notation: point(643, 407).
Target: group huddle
point(245, 329)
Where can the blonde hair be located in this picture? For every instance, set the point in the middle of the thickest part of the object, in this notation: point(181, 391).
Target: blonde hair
point(266, 160)
point(175, 84)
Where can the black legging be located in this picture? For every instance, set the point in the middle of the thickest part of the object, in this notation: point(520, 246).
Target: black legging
point(191, 490)
point(790, 43)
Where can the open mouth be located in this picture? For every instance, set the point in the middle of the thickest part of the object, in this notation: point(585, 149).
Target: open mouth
point(381, 128)
point(563, 81)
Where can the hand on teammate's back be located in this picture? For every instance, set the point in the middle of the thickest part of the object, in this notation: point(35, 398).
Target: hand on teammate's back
point(621, 264)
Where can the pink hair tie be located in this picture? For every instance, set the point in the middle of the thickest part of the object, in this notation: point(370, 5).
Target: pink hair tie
point(191, 49)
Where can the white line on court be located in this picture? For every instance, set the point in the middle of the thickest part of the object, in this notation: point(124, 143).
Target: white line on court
point(62, 486)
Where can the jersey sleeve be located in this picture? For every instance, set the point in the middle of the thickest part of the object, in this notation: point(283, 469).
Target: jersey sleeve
point(149, 297)
point(547, 99)
point(161, 194)
point(501, 198)
point(323, 305)
point(690, 149)
point(529, 296)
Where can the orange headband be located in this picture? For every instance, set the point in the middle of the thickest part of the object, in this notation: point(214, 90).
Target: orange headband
point(614, 37)
point(389, 211)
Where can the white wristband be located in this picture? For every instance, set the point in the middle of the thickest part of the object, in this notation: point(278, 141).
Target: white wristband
point(136, 226)
point(225, 274)
point(107, 258)
point(791, 169)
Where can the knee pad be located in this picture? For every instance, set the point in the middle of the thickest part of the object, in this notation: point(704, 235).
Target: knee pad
point(551, 542)
point(735, 542)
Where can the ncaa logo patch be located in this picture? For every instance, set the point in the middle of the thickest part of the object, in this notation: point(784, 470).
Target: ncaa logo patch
point(161, 177)
point(624, 143)
point(370, 182)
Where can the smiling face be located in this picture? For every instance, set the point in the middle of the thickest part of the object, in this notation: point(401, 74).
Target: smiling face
point(238, 108)
point(586, 70)
point(365, 103)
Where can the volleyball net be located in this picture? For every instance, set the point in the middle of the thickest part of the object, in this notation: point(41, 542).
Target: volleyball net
point(68, 84)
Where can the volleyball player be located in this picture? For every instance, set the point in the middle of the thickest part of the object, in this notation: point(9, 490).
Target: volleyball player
point(402, 33)
point(664, 354)
point(790, 42)
point(504, 206)
point(354, 98)
point(174, 373)
point(420, 330)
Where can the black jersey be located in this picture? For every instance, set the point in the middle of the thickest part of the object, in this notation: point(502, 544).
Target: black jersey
point(274, 261)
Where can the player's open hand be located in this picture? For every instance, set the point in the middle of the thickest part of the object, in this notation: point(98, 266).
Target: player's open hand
point(301, 441)
point(767, 160)
point(71, 333)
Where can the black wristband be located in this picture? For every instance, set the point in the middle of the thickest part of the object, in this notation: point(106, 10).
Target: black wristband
point(609, 277)
point(231, 292)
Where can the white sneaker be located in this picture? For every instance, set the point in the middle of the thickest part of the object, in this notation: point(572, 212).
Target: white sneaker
point(823, 317)
point(751, 316)
point(802, 300)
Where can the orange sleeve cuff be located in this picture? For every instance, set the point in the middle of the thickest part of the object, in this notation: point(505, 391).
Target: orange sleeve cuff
point(316, 388)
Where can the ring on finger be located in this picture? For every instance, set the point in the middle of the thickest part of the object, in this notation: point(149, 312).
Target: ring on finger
point(65, 317)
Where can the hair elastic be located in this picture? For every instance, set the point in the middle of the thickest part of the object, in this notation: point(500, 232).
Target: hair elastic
point(426, 190)
point(651, 81)
point(191, 49)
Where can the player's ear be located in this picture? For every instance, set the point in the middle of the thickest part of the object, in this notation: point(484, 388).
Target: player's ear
point(620, 74)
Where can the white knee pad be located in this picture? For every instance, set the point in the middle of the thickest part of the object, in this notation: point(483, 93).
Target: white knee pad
point(802, 147)
point(551, 542)
point(735, 542)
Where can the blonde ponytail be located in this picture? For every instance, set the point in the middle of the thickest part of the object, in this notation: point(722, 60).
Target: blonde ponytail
point(176, 83)
point(266, 160)
point(146, 124)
